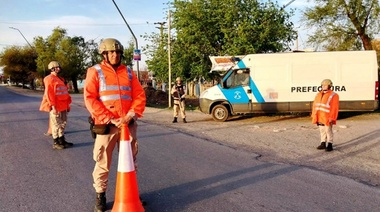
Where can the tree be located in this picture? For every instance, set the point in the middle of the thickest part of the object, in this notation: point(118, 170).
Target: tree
point(213, 27)
point(128, 54)
point(71, 52)
point(158, 56)
point(19, 63)
point(343, 24)
point(376, 47)
point(92, 54)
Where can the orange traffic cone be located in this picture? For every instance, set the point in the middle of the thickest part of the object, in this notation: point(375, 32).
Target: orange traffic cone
point(126, 194)
point(49, 128)
point(48, 132)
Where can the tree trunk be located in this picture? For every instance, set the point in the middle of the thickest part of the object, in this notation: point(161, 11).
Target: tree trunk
point(75, 84)
point(366, 42)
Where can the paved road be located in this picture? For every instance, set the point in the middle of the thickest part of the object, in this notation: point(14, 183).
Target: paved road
point(177, 171)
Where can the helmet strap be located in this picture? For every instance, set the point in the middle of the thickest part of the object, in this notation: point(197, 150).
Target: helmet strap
point(54, 71)
point(105, 55)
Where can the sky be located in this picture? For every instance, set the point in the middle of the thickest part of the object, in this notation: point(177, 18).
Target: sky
point(92, 19)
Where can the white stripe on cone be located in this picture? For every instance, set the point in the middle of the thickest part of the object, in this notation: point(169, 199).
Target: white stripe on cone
point(125, 163)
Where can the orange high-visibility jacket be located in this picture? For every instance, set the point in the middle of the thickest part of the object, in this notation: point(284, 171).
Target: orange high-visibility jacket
point(325, 108)
point(112, 94)
point(56, 94)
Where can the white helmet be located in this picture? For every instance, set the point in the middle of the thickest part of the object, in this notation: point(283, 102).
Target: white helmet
point(53, 64)
point(327, 82)
point(110, 44)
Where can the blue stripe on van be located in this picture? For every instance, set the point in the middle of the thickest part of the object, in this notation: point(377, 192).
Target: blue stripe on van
point(235, 95)
point(241, 64)
point(255, 91)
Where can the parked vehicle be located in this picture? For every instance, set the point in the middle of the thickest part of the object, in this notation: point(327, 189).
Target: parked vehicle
point(288, 82)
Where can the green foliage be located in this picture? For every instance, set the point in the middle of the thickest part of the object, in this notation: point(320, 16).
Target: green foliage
point(128, 54)
point(157, 49)
point(74, 55)
point(214, 27)
point(19, 64)
point(343, 25)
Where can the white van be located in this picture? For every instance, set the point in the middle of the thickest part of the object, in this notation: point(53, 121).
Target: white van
point(288, 82)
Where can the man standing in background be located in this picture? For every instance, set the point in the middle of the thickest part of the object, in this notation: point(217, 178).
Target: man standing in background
point(178, 93)
point(56, 101)
point(325, 113)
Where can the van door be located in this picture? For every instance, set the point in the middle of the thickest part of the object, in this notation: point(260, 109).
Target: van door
point(236, 88)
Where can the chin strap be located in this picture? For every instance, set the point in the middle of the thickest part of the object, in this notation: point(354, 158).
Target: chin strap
point(108, 61)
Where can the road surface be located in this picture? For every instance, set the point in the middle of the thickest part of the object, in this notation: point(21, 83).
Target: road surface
point(178, 171)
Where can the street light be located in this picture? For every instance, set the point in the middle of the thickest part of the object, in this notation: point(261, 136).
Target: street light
point(28, 44)
point(134, 37)
point(288, 3)
point(22, 35)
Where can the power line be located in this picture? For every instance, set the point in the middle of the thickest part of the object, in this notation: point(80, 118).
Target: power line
point(69, 23)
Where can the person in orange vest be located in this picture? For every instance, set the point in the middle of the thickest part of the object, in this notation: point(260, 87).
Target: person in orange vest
point(178, 93)
point(325, 113)
point(56, 100)
point(114, 96)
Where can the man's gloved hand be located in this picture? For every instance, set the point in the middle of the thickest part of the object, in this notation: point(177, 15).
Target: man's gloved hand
point(124, 120)
point(116, 122)
point(130, 117)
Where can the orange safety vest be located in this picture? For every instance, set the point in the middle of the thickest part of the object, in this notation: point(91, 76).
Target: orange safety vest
point(325, 108)
point(56, 94)
point(112, 94)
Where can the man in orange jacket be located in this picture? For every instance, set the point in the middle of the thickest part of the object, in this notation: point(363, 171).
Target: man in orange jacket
point(56, 101)
point(114, 96)
point(325, 113)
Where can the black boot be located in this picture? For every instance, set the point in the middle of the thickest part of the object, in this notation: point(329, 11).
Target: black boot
point(184, 120)
point(101, 202)
point(174, 120)
point(57, 145)
point(64, 143)
point(322, 145)
point(329, 147)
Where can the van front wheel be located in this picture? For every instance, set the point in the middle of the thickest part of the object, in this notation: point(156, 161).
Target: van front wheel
point(220, 113)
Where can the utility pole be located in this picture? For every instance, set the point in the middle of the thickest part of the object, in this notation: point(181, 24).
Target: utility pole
point(161, 28)
point(169, 62)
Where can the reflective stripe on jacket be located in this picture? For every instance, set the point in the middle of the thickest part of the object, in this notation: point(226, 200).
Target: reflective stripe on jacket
point(109, 93)
point(56, 94)
point(325, 108)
